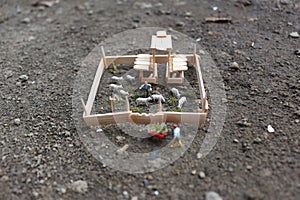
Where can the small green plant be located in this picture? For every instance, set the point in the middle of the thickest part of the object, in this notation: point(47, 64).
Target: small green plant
point(136, 109)
point(173, 101)
point(113, 68)
point(157, 128)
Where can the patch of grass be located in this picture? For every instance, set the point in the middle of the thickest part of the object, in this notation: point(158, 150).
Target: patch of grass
point(136, 109)
point(173, 101)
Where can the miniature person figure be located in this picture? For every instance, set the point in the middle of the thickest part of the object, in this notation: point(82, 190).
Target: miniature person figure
point(176, 133)
point(146, 87)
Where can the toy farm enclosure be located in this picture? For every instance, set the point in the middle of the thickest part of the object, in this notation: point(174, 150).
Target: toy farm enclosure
point(148, 68)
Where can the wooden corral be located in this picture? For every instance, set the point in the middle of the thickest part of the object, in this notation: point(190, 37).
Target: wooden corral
point(197, 118)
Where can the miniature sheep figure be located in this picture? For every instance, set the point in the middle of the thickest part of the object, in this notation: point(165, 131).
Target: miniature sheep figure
point(114, 86)
point(124, 93)
point(130, 78)
point(116, 78)
point(175, 92)
point(158, 96)
point(141, 100)
point(181, 101)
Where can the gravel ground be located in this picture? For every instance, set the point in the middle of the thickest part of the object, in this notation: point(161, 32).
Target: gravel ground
point(41, 48)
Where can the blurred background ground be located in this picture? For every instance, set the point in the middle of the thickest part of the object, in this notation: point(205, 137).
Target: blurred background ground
point(41, 48)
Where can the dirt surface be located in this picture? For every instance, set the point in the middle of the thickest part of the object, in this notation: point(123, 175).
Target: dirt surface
point(41, 48)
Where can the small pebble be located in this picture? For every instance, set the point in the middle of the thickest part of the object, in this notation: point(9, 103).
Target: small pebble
point(180, 24)
point(23, 77)
point(234, 65)
point(134, 198)
point(201, 175)
point(257, 140)
point(199, 155)
point(17, 121)
point(271, 129)
point(212, 196)
point(79, 186)
point(297, 52)
point(35, 194)
point(193, 172)
point(145, 182)
point(26, 20)
point(294, 34)
point(188, 14)
point(236, 141)
point(156, 193)
point(126, 195)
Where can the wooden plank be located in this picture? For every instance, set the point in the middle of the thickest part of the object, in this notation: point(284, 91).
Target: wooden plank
point(185, 117)
point(200, 80)
point(107, 118)
point(174, 80)
point(147, 118)
point(149, 80)
point(179, 68)
point(141, 67)
point(94, 88)
point(129, 59)
point(142, 62)
point(160, 117)
point(103, 56)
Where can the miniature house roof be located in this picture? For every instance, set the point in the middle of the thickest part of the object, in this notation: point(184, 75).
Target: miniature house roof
point(161, 41)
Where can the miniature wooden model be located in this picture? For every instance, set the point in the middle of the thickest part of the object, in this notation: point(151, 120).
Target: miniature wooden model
point(175, 67)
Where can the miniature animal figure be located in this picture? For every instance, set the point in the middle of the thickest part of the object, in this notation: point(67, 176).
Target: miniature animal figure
point(174, 75)
point(116, 78)
point(124, 93)
point(114, 86)
point(141, 100)
point(181, 101)
point(158, 96)
point(130, 78)
point(175, 92)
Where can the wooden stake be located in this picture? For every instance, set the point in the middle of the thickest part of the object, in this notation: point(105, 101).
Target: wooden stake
point(204, 103)
point(159, 105)
point(195, 51)
point(127, 104)
point(84, 108)
point(153, 58)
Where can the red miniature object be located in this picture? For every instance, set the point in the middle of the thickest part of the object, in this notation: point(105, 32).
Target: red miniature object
point(158, 135)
